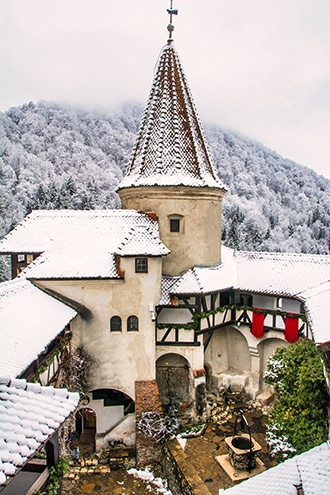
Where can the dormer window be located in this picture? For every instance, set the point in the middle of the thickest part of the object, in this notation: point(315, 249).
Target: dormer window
point(141, 265)
point(279, 302)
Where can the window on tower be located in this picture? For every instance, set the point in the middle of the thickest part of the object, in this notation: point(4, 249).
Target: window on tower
point(176, 223)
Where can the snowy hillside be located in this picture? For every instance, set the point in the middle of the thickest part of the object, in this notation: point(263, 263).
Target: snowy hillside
point(57, 157)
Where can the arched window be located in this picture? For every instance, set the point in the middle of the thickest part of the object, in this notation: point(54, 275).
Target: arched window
point(115, 324)
point(132, 323)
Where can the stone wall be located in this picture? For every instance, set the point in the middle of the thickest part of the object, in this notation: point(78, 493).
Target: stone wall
point(148, 451)
point(182, 478)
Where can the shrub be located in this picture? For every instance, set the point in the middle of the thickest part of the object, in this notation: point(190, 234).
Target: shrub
point(298, 420)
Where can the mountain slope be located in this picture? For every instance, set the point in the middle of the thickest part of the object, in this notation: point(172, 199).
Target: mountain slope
point(57, 157)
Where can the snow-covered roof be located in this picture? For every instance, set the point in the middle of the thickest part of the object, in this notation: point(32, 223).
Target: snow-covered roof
point(29, 415)
point(311, 470)
point(316, 301)
point(301, 276)
point(282, 274)
point(30, 320)
point(171, 148)
point(82, 244)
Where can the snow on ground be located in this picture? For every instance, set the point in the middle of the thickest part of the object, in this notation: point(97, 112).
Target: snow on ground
point(148, 476)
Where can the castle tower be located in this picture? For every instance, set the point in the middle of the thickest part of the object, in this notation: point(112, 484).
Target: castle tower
point(171, 171)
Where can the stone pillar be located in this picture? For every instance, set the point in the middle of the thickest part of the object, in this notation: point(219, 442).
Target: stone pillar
point(147, 400)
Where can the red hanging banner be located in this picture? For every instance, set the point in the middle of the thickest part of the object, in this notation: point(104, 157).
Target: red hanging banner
point(258, 324)
point(291, 330)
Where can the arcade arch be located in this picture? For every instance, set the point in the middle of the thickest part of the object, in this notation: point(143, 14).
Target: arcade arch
point(173, 376)
point(266, 348)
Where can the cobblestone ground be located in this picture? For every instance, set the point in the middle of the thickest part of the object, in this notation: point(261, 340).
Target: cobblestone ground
point(201, 452)
point(115, 483)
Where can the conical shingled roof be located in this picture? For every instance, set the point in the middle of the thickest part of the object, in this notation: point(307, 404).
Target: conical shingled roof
point(171, 148)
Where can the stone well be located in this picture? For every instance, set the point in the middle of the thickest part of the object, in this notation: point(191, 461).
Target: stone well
point(243, 451)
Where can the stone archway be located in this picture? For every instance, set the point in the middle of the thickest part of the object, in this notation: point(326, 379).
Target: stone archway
point(173, 378)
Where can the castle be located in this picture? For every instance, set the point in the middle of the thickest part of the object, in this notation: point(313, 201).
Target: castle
point(163, 311)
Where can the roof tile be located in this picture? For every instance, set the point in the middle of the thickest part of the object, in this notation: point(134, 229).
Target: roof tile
point(26, 333)
point(22, 429)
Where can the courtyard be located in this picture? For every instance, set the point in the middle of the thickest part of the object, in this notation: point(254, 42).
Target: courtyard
point(201, 452)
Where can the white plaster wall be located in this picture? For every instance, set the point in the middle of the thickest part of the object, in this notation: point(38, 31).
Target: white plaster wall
point(174, 315)
point(106, 417)
point(267, 302)
point(238, 350)
point(119, 358)
point(216, 354)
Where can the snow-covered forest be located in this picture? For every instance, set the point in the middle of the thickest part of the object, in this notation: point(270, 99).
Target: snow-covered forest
point(57, 157)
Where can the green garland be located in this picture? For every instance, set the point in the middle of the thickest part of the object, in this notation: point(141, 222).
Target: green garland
point(222, 309)
point(200, 316)
point(56, 473)
point(45, 365)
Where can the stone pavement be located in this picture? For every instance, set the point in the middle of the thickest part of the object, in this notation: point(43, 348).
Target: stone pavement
point(115, 483)
point(201, 452)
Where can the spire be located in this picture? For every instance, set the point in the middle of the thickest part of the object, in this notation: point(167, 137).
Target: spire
point(170, 27)
point(171, 148)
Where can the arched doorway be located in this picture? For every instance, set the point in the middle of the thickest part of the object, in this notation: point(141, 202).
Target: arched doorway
point(86, 428)
point(113, 408)
point(173, 378)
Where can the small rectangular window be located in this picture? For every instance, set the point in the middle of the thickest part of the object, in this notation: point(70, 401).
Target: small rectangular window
point(141, 265)
point(21, 258)
point(174, 225)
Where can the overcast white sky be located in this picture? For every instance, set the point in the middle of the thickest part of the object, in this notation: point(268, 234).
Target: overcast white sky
point(261, 67)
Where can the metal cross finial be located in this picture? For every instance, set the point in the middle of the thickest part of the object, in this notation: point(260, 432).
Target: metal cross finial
point(170, 27)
